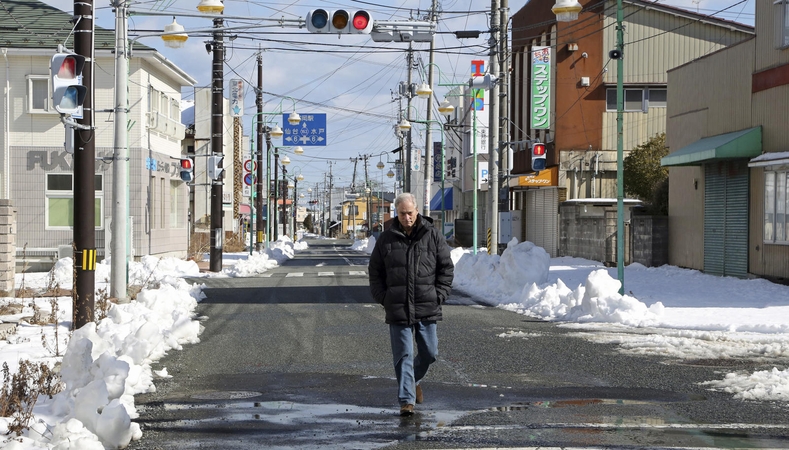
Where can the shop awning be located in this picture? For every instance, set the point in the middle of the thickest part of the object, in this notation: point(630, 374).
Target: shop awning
point(435, 203)
point(739, 144)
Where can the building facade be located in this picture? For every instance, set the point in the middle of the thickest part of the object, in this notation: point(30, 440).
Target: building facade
point(578, 117)
point(37, 171)
point(729, 160)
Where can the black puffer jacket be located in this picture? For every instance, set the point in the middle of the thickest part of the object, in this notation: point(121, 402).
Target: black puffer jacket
point(411, 276)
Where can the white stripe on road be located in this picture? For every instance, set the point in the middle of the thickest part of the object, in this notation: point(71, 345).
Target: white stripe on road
point(357, 272)
point(325, 274)
point(294, 274)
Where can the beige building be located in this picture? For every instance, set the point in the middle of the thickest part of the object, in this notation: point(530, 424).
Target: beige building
point(729, 160)
point(578, 122)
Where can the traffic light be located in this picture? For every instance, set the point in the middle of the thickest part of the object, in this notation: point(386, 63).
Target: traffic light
point(538, 156)
point(340, 21)
point(187, 169)
point(215, 169)
point(68, 93)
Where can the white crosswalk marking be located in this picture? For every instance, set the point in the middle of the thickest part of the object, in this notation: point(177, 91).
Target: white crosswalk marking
point(357, 272)
point(325, 274)
point(294, 274)
point(266, 275)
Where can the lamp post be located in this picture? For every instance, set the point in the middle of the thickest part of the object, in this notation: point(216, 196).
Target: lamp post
point(275, 132)
point(566, 11)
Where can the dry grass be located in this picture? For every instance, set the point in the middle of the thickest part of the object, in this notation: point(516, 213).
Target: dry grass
point(21, 390)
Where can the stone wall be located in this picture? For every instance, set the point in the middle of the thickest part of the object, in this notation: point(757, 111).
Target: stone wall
point(7, 246)
point(650, 240)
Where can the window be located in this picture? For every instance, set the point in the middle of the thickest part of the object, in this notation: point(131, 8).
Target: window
point(657, 98)
point(162, 198)
point(781, 8)
point(637, 99)
point(776, 209)
point(38, 94)
point(175, 214)
point(175, 110)
point(59, 214)
point(154, 107)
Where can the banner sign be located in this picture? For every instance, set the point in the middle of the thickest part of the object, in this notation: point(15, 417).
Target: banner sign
point(478, 70)
point(236, 98)
point(437, 161)
point(541, 88)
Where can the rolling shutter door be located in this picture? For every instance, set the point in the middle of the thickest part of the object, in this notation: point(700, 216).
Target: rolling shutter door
point(726, 219)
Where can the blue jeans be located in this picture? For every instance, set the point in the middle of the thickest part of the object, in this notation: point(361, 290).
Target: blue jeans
point(409, 369)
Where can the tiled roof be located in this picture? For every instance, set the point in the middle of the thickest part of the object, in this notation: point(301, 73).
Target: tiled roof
point(33, 24)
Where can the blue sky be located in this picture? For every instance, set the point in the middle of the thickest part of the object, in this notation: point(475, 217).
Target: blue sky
point(356, 88)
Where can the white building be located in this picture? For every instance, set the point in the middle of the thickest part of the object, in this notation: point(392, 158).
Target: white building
point(35, 170)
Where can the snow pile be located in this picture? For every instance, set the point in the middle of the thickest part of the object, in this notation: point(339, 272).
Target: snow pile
point(517, 281)
point(497, 278)
point(259, 262)
point(364, 245)
point(762, 385)
point(108, 362)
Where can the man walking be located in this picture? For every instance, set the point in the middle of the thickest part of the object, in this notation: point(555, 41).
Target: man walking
point(411, 276)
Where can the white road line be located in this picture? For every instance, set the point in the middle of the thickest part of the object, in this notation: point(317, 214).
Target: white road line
point(267, 275)
point(325, 274)
point(294, 274)
point(357, 272)
point(644, 425)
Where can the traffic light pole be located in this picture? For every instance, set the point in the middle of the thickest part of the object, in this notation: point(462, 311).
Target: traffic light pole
point(217, 138)
point(84, 176)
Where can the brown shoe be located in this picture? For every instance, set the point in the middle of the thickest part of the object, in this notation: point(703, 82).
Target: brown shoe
point(407, 410)
point(419, 397)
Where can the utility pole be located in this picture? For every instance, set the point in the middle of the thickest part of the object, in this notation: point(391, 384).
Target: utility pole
point(85, 175)
point(259, 158)
point(409, 94)
point(367, 195)
point(120, 160)
point(217, 138)
point(429, 115)
point(504, 104)
point(352, 209)
point(331, 187)
point(493, 156)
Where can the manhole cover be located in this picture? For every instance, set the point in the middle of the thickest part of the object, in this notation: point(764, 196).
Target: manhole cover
point(226, 395)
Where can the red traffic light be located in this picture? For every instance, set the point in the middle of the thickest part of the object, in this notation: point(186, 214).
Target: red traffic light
point(360, 20)
point(187, 164)
point(538, 149)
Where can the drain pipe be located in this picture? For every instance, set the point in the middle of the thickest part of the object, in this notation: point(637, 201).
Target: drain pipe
point(6, 191)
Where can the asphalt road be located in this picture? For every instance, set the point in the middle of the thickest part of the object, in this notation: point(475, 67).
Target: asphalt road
point(299, 358)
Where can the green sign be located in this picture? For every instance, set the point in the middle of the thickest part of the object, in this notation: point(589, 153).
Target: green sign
point(541, 87)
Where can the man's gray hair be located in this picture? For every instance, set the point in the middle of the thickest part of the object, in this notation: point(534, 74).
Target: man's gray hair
point(405, 197)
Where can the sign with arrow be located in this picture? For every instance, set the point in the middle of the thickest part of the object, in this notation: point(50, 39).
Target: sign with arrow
point(236, 97)
point(310, 131)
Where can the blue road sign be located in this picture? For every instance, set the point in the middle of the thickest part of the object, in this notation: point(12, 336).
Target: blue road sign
point(310, 131)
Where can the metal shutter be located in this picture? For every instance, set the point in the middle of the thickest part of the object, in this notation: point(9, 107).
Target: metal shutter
point(541, 219)
point(726, 218)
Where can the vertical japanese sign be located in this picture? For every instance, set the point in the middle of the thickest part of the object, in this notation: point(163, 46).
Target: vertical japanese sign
point(541, 87)
point(236, 98)
point(438, 155)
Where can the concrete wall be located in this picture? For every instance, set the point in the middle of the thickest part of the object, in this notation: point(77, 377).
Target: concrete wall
point(650, 240)
point(7, 245)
